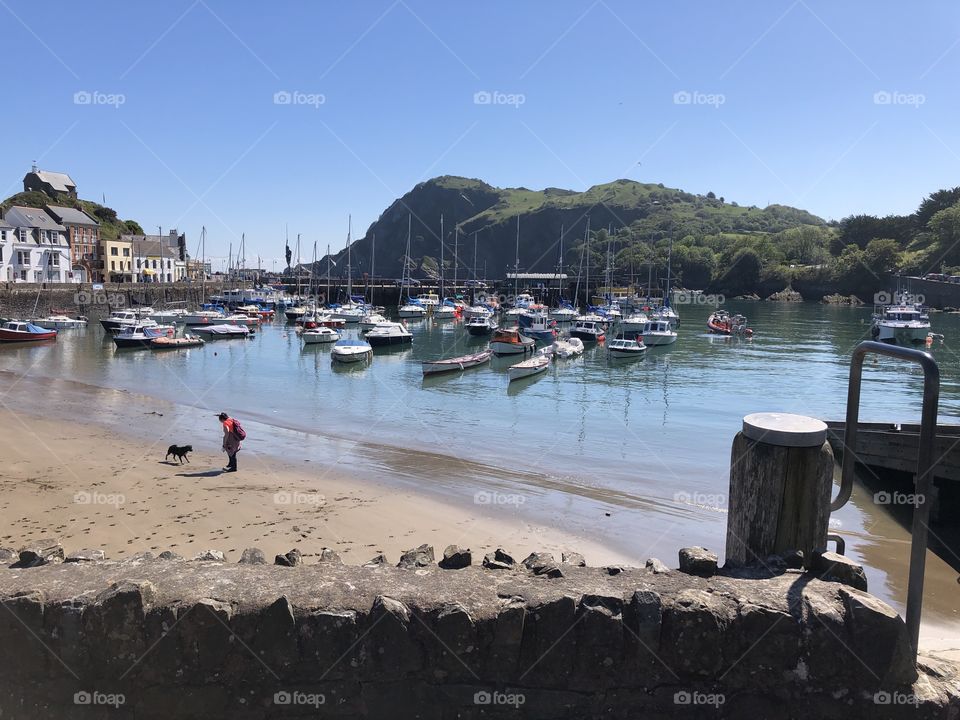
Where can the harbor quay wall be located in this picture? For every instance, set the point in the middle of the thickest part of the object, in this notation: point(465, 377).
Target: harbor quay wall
point(207, 638)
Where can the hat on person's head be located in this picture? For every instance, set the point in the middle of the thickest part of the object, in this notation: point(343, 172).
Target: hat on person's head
point(222, 416)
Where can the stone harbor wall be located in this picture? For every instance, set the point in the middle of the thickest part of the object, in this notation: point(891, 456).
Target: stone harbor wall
point(543, 638)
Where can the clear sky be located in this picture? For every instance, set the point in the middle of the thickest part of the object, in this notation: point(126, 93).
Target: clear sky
point(171, 109)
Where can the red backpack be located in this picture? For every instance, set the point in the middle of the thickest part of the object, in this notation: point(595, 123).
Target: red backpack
point(238, 430)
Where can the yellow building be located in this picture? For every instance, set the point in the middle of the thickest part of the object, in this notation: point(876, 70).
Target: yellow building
point(118, 260)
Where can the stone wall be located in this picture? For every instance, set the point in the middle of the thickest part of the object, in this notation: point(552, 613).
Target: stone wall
point(205, 638)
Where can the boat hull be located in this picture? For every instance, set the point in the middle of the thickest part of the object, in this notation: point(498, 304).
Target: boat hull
point(436, 367)
point(320, 338)
point(10, 336)
point(627, 354)
point(351, 357)
point(505, 348)
point(385, 340)
point(522, 370)
point(587, 335)
point(654, 339)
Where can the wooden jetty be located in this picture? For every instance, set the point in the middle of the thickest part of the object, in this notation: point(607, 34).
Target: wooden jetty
point(893, 446)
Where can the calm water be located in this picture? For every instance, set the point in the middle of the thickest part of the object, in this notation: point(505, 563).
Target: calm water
point(635, 439)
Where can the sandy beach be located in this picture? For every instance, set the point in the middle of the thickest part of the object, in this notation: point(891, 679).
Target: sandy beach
point(91, 487)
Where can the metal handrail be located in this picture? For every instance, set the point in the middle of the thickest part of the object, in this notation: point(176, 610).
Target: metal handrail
point(928, 433)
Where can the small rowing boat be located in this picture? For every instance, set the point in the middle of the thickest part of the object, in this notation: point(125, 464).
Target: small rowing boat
point(176, 343)
point(532, 366)
point(433, 367)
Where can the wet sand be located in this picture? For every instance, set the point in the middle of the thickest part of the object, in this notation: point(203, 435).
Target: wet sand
point(94, 488)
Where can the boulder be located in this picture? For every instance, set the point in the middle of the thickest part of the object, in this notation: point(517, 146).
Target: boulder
point(210, 555)
point(330, 556)
point(456, 558)
point(573, 558)
point(290, 559)
point(499, 559)
point(376, 561)
point(698, 561)
point(46, 551)
point(418, 557)
point(657, 566)
point(8, 556)
point(253, 556)
point(878, 638)
point(839, 568)
point(170, 555)
point(542, 563)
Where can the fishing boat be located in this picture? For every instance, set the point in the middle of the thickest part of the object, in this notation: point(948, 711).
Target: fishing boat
point(176, 343)
point(371, 320)
point(141, 336)
point(481, 325)
point(903, 324)
point(532, 366)
point(60, 322)
point(656, 332)
point(351, 351)
point(434, 367)
point(389, 333)
point(224, 332)
point(538, 325)
point(622, 347)
point(319, 335)
point(721, 322)
point(588, 331)
point(509, 341)
point(567, 349)
point(17, 331)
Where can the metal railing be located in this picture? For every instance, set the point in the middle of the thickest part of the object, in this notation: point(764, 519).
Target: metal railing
point(928, 433)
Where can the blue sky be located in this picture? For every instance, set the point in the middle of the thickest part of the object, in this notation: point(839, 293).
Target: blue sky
point(838, 108)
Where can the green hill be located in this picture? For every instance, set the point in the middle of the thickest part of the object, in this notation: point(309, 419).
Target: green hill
point(111, 227)
point(707, 231)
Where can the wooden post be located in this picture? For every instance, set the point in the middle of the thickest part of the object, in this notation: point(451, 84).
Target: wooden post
point(781, 475)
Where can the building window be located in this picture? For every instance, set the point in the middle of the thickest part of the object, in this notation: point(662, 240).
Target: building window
point(55, 259)
point(113, 251)
point(3, 235)
point(23, 257)
point(154, 264)
point(113, 265)
point(22, 232)
point(126, 252)
point(168, 264)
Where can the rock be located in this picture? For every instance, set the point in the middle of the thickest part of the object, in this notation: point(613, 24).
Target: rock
point(253, 556)
point(8, 555)
point(614, 569)
point(330, 556)
point(290, 559)
point(543, 564)
point(692, 638)
point(376, 561)
point(498, 560)
point(210, 555)
point(573, 558)
point(698, 561)
point(418, 557)
point(46, 551)
point(85, 555)
point(879, 638)
point(170, 555)
point(793, 559)
point(788, 294)
point(837, 299)
point(657, 566)
point(456, 557)
point(839, 568)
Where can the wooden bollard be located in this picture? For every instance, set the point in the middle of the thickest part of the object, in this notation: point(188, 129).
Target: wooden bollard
point(781, 475)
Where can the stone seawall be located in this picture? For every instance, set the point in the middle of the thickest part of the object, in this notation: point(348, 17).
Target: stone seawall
point(169, 638)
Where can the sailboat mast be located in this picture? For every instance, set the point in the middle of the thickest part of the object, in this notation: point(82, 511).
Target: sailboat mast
point(203, 264)
point(298, 268)
point(456, 241)
point(441, 255)
point(373, 257)
point(516, 269)
point(474, 254)
point(666, 291)
point(349, 266)
point(560, 267)
point(328, 273)
point(313, 270)
point(587, 278)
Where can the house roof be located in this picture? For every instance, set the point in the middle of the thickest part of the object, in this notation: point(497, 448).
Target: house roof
point(151, 248)
point(20, 216)
point(61, 182)
point(71, 216)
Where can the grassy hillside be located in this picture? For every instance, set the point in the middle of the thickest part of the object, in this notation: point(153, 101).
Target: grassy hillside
point(111, 227)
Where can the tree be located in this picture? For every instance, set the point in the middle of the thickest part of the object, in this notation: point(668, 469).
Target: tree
point(882, 255)
point(945, 226)
point(743, 274)
point(711, 196)
point(934, 203)
point(133, 227)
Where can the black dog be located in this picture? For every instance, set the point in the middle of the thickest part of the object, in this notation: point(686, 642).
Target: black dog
point(179, 452)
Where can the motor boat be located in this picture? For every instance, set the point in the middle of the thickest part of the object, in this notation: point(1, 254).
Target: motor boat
point(481, 325)
point(634, 323)
point(904, 324)
point(622, 347)
point(389, 333)
point(238, 319)
point(223, 332)
point(117, 320)
point(656, 332)
point(538, 325)
point(168, 317)
point(565, 313)
point(434, 367)
point(567, 349)
point(532, 366)
point(588, 331)
point(351, 351)
point(141, 336)
point(295, 313)
point(204, 317)
point(371, 320)
point(319, 335)
point(350, 314)
point(412, 311)
point(17, 331)
point(721, 322)
point(666, 312)
point(509, 341)
point(428, 300)
point(60, 322)
point(443, 312)
point(477, 311)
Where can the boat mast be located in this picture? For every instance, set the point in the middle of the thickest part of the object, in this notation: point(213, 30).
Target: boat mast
point(406, 259)
point(349, 266)
point(298, 268)
point(313, 271)
point(328, 274)
point(203, 264)
point(587, 278)
point(456, 241)
point(373, 257)
point(560, 268)
point(441, 255)
point(666, 292)
point(516, 269)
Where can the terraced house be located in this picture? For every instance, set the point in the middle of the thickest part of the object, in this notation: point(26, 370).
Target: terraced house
point(36, 248)
point(155, 259)
point(83, 234)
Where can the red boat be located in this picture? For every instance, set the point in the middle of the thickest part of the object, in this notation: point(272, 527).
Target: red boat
point(16, 331)
point(723, 323)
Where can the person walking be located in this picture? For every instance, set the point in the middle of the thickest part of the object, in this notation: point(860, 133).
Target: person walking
point(232, 435)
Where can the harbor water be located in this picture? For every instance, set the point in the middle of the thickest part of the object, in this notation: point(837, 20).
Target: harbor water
point(634, 454)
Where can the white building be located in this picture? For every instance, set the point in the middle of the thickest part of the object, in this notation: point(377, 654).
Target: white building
point(36, 248)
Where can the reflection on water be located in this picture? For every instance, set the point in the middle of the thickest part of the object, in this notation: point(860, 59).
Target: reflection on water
point(587, 438)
